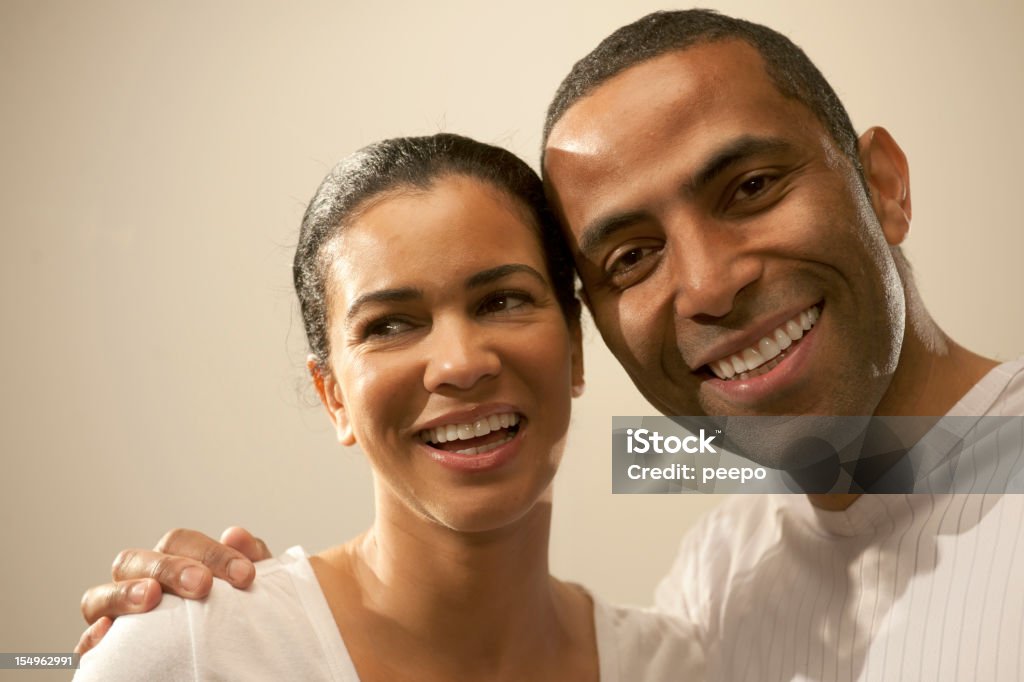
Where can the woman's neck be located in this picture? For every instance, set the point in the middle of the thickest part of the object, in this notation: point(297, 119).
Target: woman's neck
point(474, 604)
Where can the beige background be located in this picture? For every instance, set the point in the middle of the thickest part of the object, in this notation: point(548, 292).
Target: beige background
point(156, 159)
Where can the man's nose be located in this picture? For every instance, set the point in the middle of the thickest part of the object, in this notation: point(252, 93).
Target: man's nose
point(710, 266)
point(461, 355)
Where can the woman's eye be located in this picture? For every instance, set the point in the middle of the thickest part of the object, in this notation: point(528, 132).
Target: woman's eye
point(387, 327)
point(503, 302)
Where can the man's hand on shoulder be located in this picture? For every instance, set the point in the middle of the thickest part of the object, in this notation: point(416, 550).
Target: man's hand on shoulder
point(184, 563)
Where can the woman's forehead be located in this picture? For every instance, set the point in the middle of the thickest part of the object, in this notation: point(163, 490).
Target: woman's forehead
point(456, 226)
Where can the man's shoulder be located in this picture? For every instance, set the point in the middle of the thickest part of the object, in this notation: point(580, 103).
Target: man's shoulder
point(727, 541)
point(999, 393)
point(642, 643)
point(740, 518)
point(1010, 401)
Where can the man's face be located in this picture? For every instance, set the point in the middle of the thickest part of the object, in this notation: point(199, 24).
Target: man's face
point(728, 252)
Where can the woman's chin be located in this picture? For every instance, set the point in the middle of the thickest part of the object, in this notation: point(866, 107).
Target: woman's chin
point(492, 515)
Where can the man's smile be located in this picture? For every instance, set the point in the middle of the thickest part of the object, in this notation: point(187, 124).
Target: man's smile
point(768, 352)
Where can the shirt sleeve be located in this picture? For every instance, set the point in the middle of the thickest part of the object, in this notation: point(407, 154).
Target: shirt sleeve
point(156, 646)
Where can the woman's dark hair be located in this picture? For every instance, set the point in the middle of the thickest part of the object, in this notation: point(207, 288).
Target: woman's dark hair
point(414, 163)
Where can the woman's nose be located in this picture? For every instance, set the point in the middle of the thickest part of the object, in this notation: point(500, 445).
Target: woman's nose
point(461, 355)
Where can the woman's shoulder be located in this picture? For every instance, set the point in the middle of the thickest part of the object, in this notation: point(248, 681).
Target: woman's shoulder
point(152, 646)
point(641, 643)
point(278, 628)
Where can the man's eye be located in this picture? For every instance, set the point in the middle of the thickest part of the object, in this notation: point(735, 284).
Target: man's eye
point(754, 186)
point(503, 301)
point(629, 258)
point(389, 326)
point(631, 264)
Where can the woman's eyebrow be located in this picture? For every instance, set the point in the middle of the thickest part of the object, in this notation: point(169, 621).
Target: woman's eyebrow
point(383, 296)
point(402, 294)
point(490, 275)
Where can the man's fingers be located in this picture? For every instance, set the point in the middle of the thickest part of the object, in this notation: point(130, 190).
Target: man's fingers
point(181, 576)
point(246, 543)
point(225, 562)
point(184, 563)
point(92, 635)
point(118, 599)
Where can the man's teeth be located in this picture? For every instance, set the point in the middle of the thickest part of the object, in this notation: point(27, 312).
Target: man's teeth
point(481, 427)
point(768, 348)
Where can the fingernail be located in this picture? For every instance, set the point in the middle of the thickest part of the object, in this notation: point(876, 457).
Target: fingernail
point(190, 578)
point(137, 593)
point(239, 570)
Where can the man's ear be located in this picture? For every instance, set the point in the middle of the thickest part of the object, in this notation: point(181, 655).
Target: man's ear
point(888, 176)
point(578, 383)
point(330, 395)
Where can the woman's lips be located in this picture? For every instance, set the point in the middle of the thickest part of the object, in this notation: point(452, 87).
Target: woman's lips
point(479, 453)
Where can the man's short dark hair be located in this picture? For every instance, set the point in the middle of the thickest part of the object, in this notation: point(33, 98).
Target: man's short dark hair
point(662, 32)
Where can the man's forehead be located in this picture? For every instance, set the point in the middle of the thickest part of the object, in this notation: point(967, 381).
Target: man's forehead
point(696, 75)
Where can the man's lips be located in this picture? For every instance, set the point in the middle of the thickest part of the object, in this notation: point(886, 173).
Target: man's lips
point(760, 345)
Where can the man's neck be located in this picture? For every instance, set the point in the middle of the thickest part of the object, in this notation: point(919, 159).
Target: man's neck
point(833, 502)
point(933, 374)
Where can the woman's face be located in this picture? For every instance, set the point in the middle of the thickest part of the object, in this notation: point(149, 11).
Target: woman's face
point(452, 363)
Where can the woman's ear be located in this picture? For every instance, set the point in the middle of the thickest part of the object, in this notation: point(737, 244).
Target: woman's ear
point(888, 176)
point(330, 395)
point(578, 383)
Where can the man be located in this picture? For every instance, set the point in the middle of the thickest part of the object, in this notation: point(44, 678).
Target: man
point(712, 189)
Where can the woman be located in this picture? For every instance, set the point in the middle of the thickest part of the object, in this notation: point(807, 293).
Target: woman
point(445, 341)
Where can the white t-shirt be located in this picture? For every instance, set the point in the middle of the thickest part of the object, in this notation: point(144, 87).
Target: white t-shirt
point(896, 587)
point(281, 628)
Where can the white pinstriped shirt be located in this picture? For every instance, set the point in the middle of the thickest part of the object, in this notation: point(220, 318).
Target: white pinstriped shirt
point(897, 587)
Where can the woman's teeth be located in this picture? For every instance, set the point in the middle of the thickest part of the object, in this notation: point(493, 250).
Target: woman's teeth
point(484, 448)
point(768, 352)
point(480, 427)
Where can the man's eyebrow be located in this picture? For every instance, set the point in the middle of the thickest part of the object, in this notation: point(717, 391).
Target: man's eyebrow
point(601, 229)
point(739, 149)
point(735, 151)
point(485, 277)
point(382, 296)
